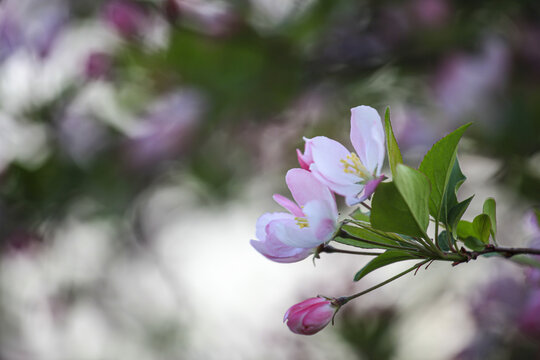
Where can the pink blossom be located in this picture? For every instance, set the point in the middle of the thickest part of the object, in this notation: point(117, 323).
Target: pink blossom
point(290, 237)
point(352, 175)
point(310, 316)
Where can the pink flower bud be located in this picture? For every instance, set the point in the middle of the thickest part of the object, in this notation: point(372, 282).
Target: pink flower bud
point(310, 316)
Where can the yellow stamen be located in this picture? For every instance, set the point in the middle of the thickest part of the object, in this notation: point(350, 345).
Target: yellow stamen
point(301, 222)
point(353, 165)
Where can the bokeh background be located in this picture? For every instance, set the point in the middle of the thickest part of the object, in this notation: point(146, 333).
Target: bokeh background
point(141, 140)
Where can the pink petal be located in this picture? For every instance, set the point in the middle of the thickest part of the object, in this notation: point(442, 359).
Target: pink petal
point(303, 164)
point(305, 187)
point(294, 321)
point(322, 220)
point(325, 230)
point(317, 318)
point(265, 219)
point(327, 156)
point(289, 233)
point(368, 138)
point(306, 158)
point(288, 204)
point(351, 189)
point(276, 251)
point(303, 305)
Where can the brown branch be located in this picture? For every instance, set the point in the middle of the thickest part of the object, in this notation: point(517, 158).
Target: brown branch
point(504, 251)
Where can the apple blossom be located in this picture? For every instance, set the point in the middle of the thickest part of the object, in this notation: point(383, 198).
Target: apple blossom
point(310, 316)
point(352, 175)
point(311, 221)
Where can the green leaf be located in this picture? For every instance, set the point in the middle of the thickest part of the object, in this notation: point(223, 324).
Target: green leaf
point(444, 241)
point(394, 154)
point(401, 206)
point(482, 227)
point(368, 235)
point(474, 244)
point(360, 216)
point(414, 187)
point(387, 258)
point(479, 228)
point(465, 229)
point(437, 166)
point(455, 215)
point(490, 210)
point(450, 194)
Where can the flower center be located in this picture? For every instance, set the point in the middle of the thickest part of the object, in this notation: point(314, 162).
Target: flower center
point(301, 222)
point(353, 165)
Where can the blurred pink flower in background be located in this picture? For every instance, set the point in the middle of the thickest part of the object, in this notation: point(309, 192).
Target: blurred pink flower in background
point(22, 242)
point(345, 173)
point(310, 316)
point(126, 17)
point(31, 24)
point(45, 29)
point(97, 65)
point(166, 129)
point(464, 84)
point(11, 36)
point(431, 13)
point(529, 321)
point(412, 129)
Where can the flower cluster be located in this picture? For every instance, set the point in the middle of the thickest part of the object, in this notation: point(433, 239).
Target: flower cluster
point(327, 168)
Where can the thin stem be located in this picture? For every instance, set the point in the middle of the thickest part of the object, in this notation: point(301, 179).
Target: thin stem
point(345, 299)
point(347, 235)
point(363, 203)
point(428, 244)
point(331, 249)
point(437, 235)
point(432, 246)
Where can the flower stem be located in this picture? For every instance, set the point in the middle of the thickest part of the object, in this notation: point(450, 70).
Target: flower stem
point(345, 299)
point(331, 249)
